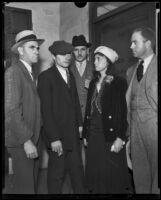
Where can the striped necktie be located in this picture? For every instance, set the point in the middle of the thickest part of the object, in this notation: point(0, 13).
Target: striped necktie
point(68, 78)
point(33, 78)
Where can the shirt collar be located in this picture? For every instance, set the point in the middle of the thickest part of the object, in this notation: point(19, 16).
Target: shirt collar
point(29, 68)
point(82, 64)
point(62, 70)
point(147, 61)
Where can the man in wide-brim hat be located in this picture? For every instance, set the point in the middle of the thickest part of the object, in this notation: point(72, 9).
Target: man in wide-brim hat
point(22, 114)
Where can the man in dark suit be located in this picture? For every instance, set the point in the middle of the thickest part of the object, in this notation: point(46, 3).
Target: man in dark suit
point(61, 120)
point(22, 113)
point(82, 70)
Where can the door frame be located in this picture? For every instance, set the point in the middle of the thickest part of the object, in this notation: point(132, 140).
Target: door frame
point(10, 30)
point(94, 20)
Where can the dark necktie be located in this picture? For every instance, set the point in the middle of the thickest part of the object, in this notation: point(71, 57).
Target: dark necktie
point(140, 71)
point(68, 78)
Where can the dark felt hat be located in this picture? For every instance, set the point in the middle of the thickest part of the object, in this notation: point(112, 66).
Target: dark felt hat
point(80, 41)
point(60, 48)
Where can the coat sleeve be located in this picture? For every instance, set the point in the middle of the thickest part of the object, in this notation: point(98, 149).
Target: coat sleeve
point(16, 130)
point(123, 110)
point(152, 91)
point(49, 122)
point(86, 124)
point(78, 109)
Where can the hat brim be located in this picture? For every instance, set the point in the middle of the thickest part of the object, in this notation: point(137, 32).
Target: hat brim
point(81, 44)
point(89, 44)
point(15, 46)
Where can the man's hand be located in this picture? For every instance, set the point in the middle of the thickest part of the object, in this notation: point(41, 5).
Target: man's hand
point(57, 147)
point(117, 145)
point(30, 150)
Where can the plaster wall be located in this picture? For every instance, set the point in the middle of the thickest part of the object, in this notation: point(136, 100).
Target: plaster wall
point(46, 24)
point(73, 21)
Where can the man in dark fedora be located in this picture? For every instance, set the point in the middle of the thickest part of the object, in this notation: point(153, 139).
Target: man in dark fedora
point(62, 120)
point(22, 114)
point(83, 71)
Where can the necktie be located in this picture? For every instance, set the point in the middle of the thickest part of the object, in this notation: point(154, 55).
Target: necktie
point(68, 78)
point(80, 69)
point(33, 78)
point(140, 71)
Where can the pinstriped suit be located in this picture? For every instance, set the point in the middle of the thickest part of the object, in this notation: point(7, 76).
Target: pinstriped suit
point(143, 123)
point(80, 83)
point(22, 122)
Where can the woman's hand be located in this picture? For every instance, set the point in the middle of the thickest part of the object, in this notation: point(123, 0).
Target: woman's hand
point(117, 145)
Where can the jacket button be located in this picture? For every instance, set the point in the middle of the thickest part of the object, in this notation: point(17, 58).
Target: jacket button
point(111, 129)
point(109, 116)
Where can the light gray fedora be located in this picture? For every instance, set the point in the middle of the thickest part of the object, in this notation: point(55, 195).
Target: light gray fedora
point(25, 36)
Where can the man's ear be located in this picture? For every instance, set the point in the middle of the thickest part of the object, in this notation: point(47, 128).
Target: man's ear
point(53, 56)
point(148, 43)
point(20, 50)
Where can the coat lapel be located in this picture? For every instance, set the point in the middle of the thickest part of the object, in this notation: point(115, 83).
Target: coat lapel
point(128, 93)
point(152, 68)
point(27, 75)
point(61, 83)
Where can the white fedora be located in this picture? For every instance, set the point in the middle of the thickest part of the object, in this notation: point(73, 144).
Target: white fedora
point(25, 36)
point(108, 52)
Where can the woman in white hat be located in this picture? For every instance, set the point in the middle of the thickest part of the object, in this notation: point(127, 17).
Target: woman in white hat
point(105, 127)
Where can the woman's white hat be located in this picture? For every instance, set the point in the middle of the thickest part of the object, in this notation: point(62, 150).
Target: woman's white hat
point(25, 36)
point(109, 53)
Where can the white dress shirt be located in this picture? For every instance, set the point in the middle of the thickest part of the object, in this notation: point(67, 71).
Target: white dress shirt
point(147, 62)
point(62, 72)
point(81, 66)
point(28, 67)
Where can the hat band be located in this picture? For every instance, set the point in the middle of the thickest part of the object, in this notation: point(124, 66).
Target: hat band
point(29, 37)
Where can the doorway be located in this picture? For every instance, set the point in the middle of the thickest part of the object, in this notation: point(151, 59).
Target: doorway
point(15, 20)
point(115, 27)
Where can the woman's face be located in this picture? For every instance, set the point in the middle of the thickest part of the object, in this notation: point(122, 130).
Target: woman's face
point(100, 63)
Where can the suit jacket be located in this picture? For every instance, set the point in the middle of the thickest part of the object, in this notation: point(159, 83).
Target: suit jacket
point(81, 83)
point(60, 108)
point(151, 91)
point(22, 106)
point(114, 110)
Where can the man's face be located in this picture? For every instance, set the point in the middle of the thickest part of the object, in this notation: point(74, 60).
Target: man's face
point(138, 45)
point(29, 52)
point(80, 53)
point(63, 60)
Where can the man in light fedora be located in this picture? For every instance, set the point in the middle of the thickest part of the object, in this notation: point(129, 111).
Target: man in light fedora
point(22, 113)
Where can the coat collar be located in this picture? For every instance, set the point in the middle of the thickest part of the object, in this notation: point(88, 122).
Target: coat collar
point(24, 70)
point(148, 71)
